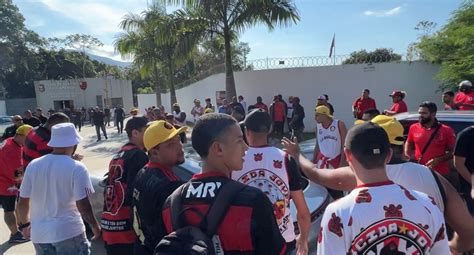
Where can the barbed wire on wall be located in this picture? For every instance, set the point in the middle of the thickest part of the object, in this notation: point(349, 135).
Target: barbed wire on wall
point(295, 62)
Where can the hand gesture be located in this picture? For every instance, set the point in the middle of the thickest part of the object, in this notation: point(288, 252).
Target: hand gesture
point(291, 146)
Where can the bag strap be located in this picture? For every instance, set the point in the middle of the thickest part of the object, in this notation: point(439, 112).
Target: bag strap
point(429, 142)
point(216, 212)
point(176, 206)
point(219, 207)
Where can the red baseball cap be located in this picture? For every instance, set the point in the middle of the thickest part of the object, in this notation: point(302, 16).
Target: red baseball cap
point(396, 93)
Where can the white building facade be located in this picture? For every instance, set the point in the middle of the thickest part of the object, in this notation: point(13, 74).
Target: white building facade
point(88, 92)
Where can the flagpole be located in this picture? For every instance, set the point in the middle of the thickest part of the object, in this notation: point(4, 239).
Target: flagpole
point(334, 59)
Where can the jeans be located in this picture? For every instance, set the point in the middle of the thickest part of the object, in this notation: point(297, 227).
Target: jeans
point(119, 125)
point(97, 130)
point(78, 245)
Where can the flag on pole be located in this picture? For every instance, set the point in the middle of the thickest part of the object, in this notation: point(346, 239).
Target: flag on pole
point(333, 45)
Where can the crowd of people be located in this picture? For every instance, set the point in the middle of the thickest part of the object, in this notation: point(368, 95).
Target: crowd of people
point(394, 195)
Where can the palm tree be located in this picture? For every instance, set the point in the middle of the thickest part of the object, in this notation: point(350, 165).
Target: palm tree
point(229, 17)
point(156, 40)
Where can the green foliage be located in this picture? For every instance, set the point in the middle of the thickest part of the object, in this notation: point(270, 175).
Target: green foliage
point(228, 18)
point(452, 47)
point(145, 90)
point(376, 56)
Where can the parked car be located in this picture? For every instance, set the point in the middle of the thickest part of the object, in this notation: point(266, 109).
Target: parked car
point(457, 120)
point(316, 196)
point(5, 121)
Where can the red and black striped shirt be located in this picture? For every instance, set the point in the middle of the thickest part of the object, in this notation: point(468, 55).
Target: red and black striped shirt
point(36, 145)
point(249, 226)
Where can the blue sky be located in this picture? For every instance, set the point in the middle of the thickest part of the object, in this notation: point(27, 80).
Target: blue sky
point(358, 24)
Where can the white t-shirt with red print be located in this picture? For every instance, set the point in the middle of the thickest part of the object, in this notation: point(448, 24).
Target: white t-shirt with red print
point(383, 218)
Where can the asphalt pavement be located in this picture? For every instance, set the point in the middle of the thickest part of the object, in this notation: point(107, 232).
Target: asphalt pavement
point(97, 156)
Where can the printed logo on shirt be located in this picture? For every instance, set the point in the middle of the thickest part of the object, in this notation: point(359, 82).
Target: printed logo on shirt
point(258, 157)
point(275, 189)
point(392, 236)
point(202, 189)
point(114, 190)
point(393, 211)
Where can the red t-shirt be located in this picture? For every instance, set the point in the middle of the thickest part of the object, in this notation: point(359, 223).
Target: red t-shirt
point(465, 98)
point(279, 111)
point(362, 104)
point(10, 164)
point(261, 106)
point(444, 140)
point(399, 107)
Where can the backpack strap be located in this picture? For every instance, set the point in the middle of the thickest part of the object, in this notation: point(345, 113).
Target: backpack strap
point(219, 207)
point(176, 207)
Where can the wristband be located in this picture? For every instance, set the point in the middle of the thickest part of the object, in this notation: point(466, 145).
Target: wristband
point(22, 226)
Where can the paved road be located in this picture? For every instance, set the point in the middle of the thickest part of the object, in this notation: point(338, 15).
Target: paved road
point(97, 156)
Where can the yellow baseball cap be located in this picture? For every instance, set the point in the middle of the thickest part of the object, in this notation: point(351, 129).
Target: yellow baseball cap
point(208, 110)
point(159, 132)
point(322, 109)
point(23, 130)
point(392, 126)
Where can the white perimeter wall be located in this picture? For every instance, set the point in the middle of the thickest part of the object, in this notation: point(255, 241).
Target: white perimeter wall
point(3, 108)
point(145, 101)
point(343, 83)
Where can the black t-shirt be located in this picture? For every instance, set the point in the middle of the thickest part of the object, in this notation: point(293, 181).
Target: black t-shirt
point(33, 121)
point(42, 119)
point(294, 174)
point(297, 117)
point(465, 147)
point(153, 184)
point(119, 114)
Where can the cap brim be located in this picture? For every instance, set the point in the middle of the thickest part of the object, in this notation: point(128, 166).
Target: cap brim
point(173, 134)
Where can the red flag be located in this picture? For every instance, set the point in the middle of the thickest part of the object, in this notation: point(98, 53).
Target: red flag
point(333, 45)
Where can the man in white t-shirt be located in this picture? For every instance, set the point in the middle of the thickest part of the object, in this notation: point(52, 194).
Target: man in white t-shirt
point(57, 186)
point(379, 216)
point(197, 110)
point(276, 174)
point(410, 175)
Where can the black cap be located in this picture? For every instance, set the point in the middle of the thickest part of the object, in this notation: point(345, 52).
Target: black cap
point(135, 123)
point(258, 121)
point(367, 139)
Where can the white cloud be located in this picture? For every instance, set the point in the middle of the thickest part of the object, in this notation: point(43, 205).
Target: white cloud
point(108, 51)
point(97, 17)
point(384, 13)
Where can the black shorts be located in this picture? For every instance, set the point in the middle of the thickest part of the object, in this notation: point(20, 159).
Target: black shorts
point(8, 203)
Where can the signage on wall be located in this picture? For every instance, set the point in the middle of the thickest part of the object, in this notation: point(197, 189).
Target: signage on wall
point(41, 88)
point(83, 85)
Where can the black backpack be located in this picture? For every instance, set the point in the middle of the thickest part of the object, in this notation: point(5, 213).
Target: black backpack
point(190, 240)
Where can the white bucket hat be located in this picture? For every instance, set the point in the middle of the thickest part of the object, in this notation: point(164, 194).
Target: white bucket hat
point(64, 135)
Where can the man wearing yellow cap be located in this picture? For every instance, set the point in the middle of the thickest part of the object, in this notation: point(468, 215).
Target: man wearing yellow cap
point(10, 177)
point(410, 175)
point(155, 182)
point(330, 137)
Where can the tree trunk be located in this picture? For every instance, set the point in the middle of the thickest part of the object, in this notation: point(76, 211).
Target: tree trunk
point(157, 87)
point(171, 81)
point(229, 73)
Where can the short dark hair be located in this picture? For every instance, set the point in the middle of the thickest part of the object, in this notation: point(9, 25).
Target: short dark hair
point(135, 123)
point(369, 144)
point(209, 128)
point(449, 93)
point(241, 97)
point(367, 90)
point(326, 96)
point(372, 112)
point(57, 118)
point(259, 99)
point(432, 108)
point(258, 121)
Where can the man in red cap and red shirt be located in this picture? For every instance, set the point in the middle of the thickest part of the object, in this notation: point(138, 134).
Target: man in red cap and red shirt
point(362, 104)
point(399, 105)
point(464, 99)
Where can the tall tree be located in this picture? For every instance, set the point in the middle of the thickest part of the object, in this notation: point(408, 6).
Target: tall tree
point(377, 56)
point(452, 47)
point(81, 42)
point(229, 17)
point(156, 39)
